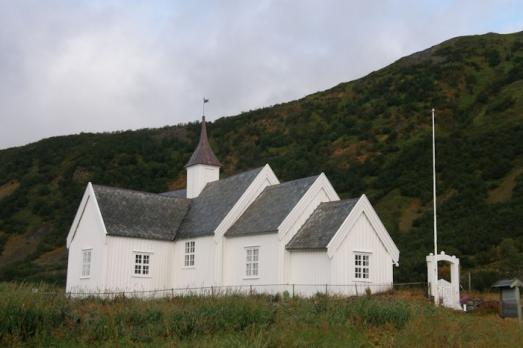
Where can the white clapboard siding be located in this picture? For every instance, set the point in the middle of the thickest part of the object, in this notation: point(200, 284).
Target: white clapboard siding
point(265, 178)
point(120, 264)
point(198, 176)
point(235, 260)
point(203, 271)
point(89, 233)
point(309, 270)
point(362, 238)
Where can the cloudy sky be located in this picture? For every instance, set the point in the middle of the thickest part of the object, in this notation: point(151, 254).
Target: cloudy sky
point(70, 66)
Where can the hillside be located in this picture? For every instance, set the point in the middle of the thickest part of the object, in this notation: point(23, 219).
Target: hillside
point(371, 135)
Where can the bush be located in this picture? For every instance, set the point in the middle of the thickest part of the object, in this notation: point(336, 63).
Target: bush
point(24, 314)
point(376, 312)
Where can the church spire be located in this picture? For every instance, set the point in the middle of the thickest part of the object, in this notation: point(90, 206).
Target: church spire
point(203, 153)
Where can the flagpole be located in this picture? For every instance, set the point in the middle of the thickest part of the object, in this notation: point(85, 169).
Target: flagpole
point(203, 107)
point(436, 293)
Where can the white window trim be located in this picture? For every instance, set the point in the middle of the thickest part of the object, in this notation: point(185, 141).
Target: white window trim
point(363, 253)
point(193, 266)
point(135, 252)
point(251, 277)
point(90, 263)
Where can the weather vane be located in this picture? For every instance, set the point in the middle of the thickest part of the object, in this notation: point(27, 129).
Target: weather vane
point(203, 105)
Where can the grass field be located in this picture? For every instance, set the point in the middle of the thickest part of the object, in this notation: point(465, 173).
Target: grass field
point(400, 319)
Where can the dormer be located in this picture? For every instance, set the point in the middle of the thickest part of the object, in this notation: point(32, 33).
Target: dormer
point(203, 166)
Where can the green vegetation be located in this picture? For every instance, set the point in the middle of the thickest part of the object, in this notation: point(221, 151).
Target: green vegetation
point(369, 136)
point(47, 318)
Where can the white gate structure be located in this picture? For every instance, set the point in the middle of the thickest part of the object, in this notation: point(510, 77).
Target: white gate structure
point(448, 292)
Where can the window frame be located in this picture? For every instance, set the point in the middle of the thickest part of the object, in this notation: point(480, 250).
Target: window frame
point(361, 266)
point(142, 256)
point(252, 262)
point(83, 274)
point(189, 258)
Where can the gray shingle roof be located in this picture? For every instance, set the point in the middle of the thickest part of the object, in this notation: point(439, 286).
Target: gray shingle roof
point(128, 213)
point(178, 193)
point(203, 153)
point(214, 202)
point(321, 226)
point(271, 207)
point(508, 283)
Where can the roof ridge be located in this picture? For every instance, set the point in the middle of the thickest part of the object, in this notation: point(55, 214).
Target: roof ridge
point(294, 180)
point(286, 183)
point(340, 201)
point(136, 191)
point(235, 175)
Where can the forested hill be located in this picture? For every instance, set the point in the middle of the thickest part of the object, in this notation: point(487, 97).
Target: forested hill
point(370, 136)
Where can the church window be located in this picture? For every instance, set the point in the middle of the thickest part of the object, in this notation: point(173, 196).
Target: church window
point(189, 253)
point(252, 261)
point(86, 263)
point(361, 266)
point(142, 263)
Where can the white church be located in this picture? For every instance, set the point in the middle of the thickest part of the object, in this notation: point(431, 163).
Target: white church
point(247, 231)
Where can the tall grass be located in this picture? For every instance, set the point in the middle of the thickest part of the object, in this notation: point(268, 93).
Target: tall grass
point(48, 318)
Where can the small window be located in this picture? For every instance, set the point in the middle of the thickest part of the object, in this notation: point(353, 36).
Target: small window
point(361, 266)
point(141, 263)
point(86, 262)
point(253, 255)
point(189, 253)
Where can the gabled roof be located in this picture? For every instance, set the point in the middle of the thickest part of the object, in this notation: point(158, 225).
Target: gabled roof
point(128, 213)
point(322, 225)
point(203, 153)
point(270, 208)
point(215, 201)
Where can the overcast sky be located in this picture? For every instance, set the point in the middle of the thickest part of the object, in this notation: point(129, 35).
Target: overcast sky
point(75, 66)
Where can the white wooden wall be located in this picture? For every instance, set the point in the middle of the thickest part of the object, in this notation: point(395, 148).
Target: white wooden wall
point(321, 191)
point(198, 176)
point(265, 178)
point(202, 274)
point(362, 238)
point(235, 261)
point(120, 264)
point(308, 268)
point(90, 234)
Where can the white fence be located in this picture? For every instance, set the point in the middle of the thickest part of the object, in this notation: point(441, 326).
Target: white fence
point(303, 290)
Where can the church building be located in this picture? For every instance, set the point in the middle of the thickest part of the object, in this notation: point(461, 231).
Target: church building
point(244, 232)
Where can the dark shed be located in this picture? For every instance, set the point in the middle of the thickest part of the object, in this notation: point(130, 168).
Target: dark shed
point(510, 305)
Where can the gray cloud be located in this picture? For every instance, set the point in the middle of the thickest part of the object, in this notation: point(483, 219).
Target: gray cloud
point(72, 66)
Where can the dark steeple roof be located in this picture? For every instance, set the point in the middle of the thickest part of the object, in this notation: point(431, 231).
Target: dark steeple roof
point(203, 153)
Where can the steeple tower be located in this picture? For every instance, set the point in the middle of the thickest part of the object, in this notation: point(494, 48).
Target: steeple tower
point(203, 166)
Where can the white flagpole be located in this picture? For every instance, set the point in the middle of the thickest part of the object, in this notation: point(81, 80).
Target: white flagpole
point(436, 293)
